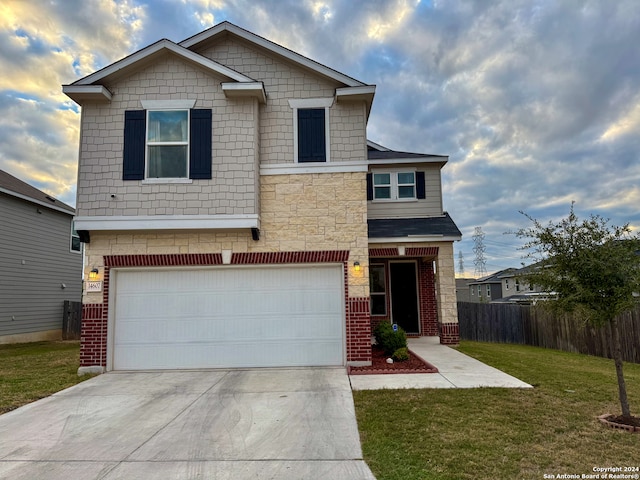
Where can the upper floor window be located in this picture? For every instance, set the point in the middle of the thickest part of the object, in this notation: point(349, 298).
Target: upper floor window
point(167, 143)
point(168, 140)
point(311, 129)
point(394, 186)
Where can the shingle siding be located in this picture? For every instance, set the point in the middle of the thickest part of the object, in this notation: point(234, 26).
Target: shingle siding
point(35, 260)
point(232, 190)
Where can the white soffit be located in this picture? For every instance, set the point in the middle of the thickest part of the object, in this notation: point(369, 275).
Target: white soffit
point(167, 222)
point(245, 89)
point(87, 93)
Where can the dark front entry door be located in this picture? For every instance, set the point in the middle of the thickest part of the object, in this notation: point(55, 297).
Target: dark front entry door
point(404, 296)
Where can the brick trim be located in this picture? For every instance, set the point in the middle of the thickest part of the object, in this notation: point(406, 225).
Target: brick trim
point(449, 334)
point(169, 260)
point(93, 348)
point(327, 256)
point(358, 330)
point(428, 300)
point(421, 251)
point(93, 336)
point(384, 252)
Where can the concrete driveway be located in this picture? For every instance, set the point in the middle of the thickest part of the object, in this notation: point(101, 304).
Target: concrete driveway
point(258, 424)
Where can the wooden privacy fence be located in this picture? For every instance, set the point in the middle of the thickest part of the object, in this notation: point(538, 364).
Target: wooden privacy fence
point(534, 325)
point(71, 320)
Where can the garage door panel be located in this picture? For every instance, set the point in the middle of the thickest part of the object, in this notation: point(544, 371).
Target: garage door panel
point(235, 317)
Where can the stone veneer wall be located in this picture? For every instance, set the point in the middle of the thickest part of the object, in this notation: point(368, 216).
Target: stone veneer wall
point(306, 216)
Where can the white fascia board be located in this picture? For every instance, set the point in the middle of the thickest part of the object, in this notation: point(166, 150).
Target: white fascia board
point(36, 202)
point(416, 239)
point(77, 93)
point(154, 48)
point(320, 167)
point(377, 146)
point(364, 92)
point(272, 47)
point(394, 161)
point(167, 222)
point(245, 89)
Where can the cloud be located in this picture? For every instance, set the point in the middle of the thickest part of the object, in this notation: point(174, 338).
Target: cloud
point(536, 103)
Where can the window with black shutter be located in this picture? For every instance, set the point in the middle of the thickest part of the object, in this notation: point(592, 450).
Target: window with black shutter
point(167, 144)
point(311, 135)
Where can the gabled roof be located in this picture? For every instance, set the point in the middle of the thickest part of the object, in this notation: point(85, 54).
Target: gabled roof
point(492, 278)
point(91, 88)
point(414, 229)
point(15, 187)
point(225, 28)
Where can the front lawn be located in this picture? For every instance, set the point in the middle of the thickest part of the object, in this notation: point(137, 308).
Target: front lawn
point(502, 433)
point(29, 371)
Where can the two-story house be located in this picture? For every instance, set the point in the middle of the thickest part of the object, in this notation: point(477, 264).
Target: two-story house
point(40, 262)
point(238, 217)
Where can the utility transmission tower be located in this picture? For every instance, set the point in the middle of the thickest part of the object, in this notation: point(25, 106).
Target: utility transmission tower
point(460, 263)
point(478, 249)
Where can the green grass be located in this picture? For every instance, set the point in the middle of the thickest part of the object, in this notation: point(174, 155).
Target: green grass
point(502, 433)
point(30, 371)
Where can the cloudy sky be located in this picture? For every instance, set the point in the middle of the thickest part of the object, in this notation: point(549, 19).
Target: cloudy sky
point(536, 102)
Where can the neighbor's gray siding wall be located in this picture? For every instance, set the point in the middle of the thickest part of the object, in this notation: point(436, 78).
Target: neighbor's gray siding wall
point(429, 207)
point(35, 260)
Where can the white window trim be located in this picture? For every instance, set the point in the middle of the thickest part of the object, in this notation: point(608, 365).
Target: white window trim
point(167, 104)
point(303, 103)
point(71, 240)
point(394, 185)
point(164, 144)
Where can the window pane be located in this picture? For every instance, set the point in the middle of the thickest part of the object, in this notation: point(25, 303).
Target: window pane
point(75, 244)
point(168, 126)
point(382, 179)
point(376, 278)
point(168, 161)
point(378, 305)
point(405, 192)
point(382, 192)
point(406, 177)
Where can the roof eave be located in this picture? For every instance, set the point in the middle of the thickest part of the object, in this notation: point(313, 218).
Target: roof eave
point(87, 93)
point(416, 239)
point(243, 90)
point(364, 93)
point(194, 41)
point(159, 47)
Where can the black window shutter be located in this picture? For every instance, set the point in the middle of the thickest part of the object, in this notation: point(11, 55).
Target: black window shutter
point(369, 186)
point(200, 144)
point(311, 135)
point(135, 122)
point(420, 189)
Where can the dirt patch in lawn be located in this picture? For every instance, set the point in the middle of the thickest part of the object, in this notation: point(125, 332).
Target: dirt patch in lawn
point(379, 364)
point(630, 424)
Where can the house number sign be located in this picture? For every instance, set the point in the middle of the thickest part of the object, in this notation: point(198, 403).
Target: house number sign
point(94, 286)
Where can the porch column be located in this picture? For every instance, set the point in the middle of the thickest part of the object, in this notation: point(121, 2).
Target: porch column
point(446, 290)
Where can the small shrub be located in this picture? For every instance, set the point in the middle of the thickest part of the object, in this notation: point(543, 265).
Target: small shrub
point(401, 354)
point(389, 340)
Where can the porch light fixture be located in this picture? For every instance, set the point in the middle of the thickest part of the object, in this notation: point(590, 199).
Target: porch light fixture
point(356, 266)
point(93, 274)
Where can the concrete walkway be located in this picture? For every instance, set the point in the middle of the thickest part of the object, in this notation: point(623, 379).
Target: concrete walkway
point(236, 424)
point(456, 370)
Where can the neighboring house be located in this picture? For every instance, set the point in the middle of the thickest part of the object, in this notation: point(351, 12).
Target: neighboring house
point(488, 288)
point(40, 262)
point(515, 288)
point(463, 293)
point(238, 217)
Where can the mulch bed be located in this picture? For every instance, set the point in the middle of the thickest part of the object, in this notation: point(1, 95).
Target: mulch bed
point(379, 365)
point(618, 421)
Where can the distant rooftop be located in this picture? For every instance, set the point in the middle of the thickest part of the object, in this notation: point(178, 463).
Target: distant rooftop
point(17, 188)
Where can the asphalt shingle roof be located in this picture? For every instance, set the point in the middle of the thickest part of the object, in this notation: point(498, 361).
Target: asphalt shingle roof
point(12, 184)
point(406, 227)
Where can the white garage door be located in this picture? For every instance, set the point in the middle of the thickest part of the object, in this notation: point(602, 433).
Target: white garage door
point(227, 317)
